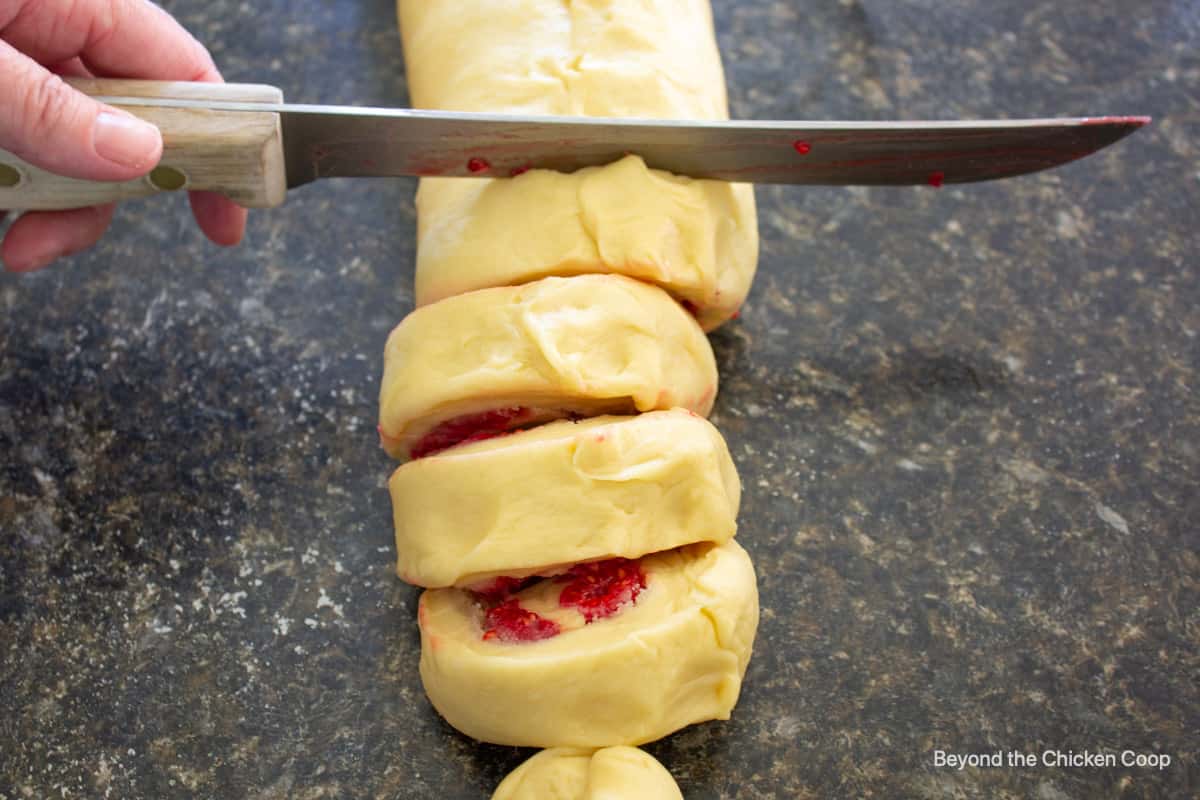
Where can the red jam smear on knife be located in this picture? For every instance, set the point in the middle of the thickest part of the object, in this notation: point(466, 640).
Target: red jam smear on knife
point(469, 428)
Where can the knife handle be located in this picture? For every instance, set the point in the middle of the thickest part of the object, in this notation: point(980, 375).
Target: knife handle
point(236, 153)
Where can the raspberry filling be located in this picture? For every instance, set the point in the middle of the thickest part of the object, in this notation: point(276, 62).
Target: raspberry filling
point(508, 622)
point(597, 590)
point(497, 589)
point(469, 428)
point(600, 589)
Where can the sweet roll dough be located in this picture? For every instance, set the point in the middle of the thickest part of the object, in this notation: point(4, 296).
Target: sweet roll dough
point(698, 239)
point(538, 501)
point(589, 345)
point(674, 657)
point(611, 773)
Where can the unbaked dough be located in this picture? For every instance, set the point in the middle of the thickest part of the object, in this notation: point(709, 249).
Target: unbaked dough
point(540, 500)
point(588, 345)
point(604, 58)
point(611, 773)
point(675, 657)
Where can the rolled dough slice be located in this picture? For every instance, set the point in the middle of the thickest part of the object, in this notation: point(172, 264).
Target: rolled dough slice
point(540, 500)
point(568, 773)
point(674, 657)
point(603, 58)
point(496, 359)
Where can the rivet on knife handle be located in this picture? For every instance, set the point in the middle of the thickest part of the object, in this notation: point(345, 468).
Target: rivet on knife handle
point(237, 154)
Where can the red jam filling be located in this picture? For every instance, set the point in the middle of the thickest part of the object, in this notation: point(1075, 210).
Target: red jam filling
point(597, 590)
point(936, 179)
point(497, 589)
point(600, 589)
point(478, 164)
point(521, 170)
point(469, 428)
point(508, 622)
point(802, 147)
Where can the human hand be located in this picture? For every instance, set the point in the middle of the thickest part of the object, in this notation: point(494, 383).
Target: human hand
point(52, 126)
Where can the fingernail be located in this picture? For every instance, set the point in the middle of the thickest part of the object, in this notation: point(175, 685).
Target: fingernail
point(126, 140)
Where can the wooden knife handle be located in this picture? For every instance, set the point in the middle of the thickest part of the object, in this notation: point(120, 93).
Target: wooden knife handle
point(236, 153)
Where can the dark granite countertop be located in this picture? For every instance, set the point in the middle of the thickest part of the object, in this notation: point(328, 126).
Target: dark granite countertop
point(965, 419)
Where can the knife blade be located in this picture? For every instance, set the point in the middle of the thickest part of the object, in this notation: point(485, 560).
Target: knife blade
point(322, 141)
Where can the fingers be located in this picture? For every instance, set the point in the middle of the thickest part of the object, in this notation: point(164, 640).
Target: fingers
point(71, 68)
point(222, 220)
point(50, 125)
point(114, 38)
point(54, 127)
point(46, 123)
point(39, 237)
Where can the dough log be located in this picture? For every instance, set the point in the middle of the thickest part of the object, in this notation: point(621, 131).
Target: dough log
point(607, 58)
point(562, 498)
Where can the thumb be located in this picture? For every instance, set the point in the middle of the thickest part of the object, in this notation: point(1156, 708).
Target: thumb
point(47, 123)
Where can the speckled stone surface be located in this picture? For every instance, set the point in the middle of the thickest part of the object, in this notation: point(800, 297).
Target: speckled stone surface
point(966, 422)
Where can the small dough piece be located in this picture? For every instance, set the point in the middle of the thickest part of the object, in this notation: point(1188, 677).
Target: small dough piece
point(611, 773)
point(563, 493)
point(582, 346)
point(698, 239)
point(676, 657)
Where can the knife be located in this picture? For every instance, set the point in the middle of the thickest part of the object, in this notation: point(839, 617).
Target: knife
point(243, 141)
